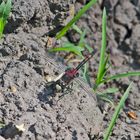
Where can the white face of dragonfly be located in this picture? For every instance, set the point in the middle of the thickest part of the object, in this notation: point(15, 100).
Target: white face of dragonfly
point(59, 77)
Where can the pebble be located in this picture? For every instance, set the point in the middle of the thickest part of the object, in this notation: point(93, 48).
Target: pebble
point(58, 87)
point(20, 127)
point(48, 78)
point(13, 89)
point(128, 121)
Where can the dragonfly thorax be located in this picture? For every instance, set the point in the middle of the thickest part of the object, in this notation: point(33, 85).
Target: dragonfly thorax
point(69, 75)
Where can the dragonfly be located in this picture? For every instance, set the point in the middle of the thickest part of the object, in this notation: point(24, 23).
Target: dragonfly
point(65, 79)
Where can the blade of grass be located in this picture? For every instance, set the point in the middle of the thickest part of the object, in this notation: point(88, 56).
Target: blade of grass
point(89, 48)
point(122, 75)
point(103, 50)
point(2, 25)
point(76, 18)
point(85, 74)
point(2, 5)
point(82, 38)
point(107, 99)
point(76, 28)
point(108, 91)
point(7, 9)
point(69, 47)
point(105, 68)
point(117, 111)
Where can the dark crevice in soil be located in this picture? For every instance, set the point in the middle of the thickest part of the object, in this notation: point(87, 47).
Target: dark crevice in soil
point(52, 33)
point(124, 47)
point(135, 2)
point(136, 63)
point(74, 135)
point(129, 32)
point(32, 20)
point(11, 26)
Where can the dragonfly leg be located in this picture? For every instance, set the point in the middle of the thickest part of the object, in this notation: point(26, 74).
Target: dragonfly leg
point(67, 90)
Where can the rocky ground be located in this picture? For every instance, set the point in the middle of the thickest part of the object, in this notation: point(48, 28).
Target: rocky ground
point(29, 107)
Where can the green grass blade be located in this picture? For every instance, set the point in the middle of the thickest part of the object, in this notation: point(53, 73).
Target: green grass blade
point(82, 39)
point(122, 75)
point(2, 25)
point(117, 111)
point(105, 69)
point(2, 5)
point(111, 90)
point(108, 91)
point(77, 29)
point(103, 50)
point(88, 48)
point(7, 9)
point(76, 18)
point(69, 47)
point(106, 99)
point(85, 74)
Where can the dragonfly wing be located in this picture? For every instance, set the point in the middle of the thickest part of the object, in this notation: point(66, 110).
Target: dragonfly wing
point(59, 68)
point(54, 63)
point(85, 87)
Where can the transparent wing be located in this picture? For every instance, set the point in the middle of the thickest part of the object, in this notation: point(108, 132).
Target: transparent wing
point(59, 68)
point(85, 87)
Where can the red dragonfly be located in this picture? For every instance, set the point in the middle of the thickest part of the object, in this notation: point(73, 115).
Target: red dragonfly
point(65, 78)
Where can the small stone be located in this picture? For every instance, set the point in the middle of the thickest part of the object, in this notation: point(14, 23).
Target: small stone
point(58, 87)
point(128, 121)
point(50, 42)
point(48, 78)
point(20, 127)
point(56, 98)
point(48, 107)
point(51, 27)
point(13, 89)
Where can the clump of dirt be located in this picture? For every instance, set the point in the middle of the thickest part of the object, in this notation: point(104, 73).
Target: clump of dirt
point(26, 100)
point(48, 16)
point(44, 115)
